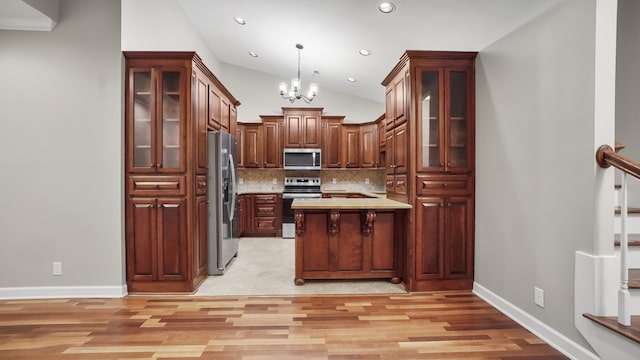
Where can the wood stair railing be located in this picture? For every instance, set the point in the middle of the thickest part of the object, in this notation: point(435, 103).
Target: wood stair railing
point(606, 157)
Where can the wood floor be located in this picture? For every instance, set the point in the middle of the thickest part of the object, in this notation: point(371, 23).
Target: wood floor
point(446, 325)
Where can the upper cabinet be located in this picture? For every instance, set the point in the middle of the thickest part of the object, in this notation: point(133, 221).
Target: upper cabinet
point(332, 142)
point(302, 127)
point(156, 95)
point(396, 100)
point(444, 118)
point(272, 141)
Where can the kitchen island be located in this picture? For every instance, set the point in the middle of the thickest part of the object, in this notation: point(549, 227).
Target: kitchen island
point(342, 237)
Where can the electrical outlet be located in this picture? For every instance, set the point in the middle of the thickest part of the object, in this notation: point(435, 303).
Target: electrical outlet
point(274, 181)
point(538, 296)
point(333, 181)
point(57, 268)
point(366, 181)
point(240, 181)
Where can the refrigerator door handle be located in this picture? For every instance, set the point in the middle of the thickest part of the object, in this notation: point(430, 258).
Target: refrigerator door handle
point(232, 185)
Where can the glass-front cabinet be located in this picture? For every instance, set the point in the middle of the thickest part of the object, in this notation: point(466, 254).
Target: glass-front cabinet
point(443, 118)
point(158, 110)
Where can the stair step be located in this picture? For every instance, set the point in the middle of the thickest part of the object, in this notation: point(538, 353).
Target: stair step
point(634, 239)
point(611, 322)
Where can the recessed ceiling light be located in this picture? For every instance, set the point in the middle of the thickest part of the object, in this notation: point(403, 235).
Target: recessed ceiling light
point(350, 79)
point(241, 21)
point(253, 54)
point(364, 52)
point(386, 7)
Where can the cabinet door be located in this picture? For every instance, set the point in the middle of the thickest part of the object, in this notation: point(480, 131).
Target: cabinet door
point(271, 140)
point(383, 242)
point(390, 107)
point(225, 113)
point(458, 115)
point(141, 240)
point(171, 110)
point(400, 100)
point(201, 93)
point(243, 214)
point(214, 108)
point(431, 124)
point(458, 235)
point(400, 148)
point(331, 144)
point(390, 153)
point(200, 245)
point(172, 239)
point(253, 146)
point(430, 223)
point(311, 126)
point(350, 136)
point(233, 119)
point(141, 115)
point(241, 144)
point(293, 132)
point(369, 151)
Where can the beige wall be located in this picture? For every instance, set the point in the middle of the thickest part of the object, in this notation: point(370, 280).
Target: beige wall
point(628, 88)
point(535, 162)
point(61, 151)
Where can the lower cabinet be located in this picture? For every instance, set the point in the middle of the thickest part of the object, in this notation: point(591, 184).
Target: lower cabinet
point(348, 244)
point(157, 243)
point(260, 215)
point(444, 243)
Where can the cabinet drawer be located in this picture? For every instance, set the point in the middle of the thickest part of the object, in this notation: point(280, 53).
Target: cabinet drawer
point(443, 185)
point(150, 185)
point(265, 198)
point(266, 224)
point(401, 184)
point(201, 185)
point(265, 210)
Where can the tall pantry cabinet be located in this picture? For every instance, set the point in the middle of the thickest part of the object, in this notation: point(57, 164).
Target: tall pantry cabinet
point(171, 101)
point(430, 155)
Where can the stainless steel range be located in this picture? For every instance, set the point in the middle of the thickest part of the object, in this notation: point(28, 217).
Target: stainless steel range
point(296, 188)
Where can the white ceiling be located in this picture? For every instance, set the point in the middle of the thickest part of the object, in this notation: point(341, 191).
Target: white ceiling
point(332, 32)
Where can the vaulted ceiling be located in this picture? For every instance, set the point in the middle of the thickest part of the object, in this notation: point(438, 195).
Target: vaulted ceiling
point(331, 31)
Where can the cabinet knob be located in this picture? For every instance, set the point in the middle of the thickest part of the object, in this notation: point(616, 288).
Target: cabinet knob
point(449, 204)
point(444, 185)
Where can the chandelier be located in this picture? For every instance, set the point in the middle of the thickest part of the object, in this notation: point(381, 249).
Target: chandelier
point(294, 93)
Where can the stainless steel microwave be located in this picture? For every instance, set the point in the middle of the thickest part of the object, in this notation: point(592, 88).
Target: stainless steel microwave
point(302, 159)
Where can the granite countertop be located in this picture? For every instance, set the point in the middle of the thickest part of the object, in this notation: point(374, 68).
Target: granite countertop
point(349, 203)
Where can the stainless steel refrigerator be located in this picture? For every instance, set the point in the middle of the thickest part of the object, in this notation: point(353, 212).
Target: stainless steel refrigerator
point(223, 200)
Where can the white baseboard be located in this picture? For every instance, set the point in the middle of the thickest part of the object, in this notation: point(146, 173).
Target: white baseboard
point(57, 292)
point(552, 337)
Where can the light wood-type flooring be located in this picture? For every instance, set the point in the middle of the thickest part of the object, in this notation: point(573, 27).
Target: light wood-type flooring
point(442, 325)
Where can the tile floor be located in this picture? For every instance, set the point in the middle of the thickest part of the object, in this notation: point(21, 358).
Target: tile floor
point(265, 266)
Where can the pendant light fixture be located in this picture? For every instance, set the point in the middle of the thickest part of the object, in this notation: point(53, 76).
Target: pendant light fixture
point(294, 92)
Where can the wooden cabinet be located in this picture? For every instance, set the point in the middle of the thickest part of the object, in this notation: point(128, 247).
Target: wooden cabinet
point(240, 147)
point(260, 215)
point(156, 237)
point(396, 101)
point(430, 163)
point(350, 146)
point(332, 142)
point(302, 127)
point(369, 146)
point(252, 145)
point(348, 244)
point(168, 111)
point(396, 159)
point(272, 141)
point(444, 119)
point(445, 252)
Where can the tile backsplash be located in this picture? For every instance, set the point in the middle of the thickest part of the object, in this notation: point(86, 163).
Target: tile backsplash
point(350, 180)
